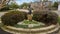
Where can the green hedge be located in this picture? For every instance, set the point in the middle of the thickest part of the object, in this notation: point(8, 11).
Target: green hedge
point(46, 17)
point(13, 17)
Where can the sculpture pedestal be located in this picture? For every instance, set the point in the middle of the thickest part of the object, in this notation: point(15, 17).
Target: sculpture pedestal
point(29, 17)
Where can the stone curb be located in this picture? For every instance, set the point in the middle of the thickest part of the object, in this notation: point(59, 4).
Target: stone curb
point(11, 31)
point(22, 29)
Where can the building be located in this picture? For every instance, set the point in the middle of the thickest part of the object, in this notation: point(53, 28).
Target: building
point(41, 5)
point(58, 6)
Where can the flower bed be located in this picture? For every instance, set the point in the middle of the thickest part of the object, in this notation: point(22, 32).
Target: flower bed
point(29, 24)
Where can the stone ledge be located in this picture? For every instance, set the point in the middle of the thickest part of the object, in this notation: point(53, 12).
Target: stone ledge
point(38, 30)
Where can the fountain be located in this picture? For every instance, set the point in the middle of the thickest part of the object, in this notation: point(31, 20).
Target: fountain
point(41, 30)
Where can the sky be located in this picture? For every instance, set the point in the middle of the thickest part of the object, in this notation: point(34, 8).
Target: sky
point(22, 1)
point(27, 1)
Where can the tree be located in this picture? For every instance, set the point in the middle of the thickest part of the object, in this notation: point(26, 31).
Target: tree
point(55, 5)
point(3, 3)
point(14, 5)
point(24, 5)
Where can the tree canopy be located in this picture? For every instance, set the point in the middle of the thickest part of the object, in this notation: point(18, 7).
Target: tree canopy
point(14, 5)
point(3, 3)
point(55, 5)
point(24, 5)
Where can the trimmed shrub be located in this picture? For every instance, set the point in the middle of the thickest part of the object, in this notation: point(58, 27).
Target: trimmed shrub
point(5, 9)
point(46, 17)
point(13, 17)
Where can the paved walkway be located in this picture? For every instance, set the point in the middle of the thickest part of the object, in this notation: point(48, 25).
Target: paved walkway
point(3, 32)
point(58, 12)
point(2, 13)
